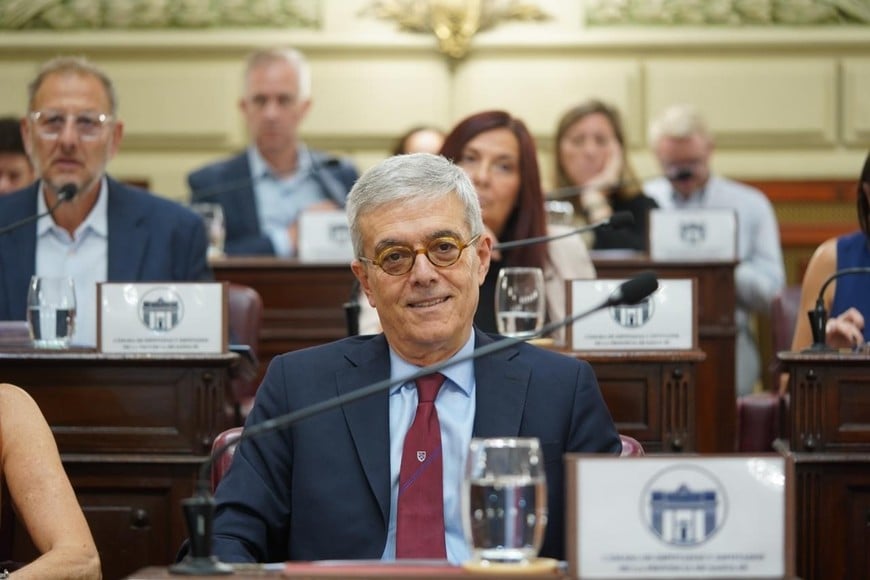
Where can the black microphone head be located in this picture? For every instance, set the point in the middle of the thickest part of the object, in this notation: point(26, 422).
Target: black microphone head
point(67, 191)
point(634, 290)
point(621, 219)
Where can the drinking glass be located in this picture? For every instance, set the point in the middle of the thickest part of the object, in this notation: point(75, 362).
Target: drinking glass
point(212, 215)
point(559, 212)
point(519, 301)
point(51, 311)
point(504, 500)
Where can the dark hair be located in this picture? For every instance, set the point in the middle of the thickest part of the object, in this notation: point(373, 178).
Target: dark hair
point(629, 185)
point(401, 145)
point(863, 194)
point(10, 136)
point(528, 218)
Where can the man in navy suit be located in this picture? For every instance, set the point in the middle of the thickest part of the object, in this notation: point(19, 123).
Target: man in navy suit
point(328, 486)
point(107, 231)
point(264, 189)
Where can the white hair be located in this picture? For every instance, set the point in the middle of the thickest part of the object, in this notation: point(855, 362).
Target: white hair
point(678, 122)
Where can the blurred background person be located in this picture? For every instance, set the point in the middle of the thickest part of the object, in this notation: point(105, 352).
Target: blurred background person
point(846, 299)
point(594, 173)
point(265, 189)
point(107, 231)
point(683, 146)
point(41, 493)
point(419, 139)
point(498, 153)
point(16, 171)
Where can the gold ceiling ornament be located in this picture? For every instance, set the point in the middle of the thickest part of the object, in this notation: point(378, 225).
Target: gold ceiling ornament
point(453, 22)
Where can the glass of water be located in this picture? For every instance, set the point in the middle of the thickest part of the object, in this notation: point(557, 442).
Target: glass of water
point(504, 500)
point(519, 302)
point(51, 311)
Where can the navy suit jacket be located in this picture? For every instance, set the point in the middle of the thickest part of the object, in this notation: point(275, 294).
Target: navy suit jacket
point(230, 184)
point(320, 489)
point(150, 239)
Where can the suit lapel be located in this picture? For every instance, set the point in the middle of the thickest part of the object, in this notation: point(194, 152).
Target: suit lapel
point(500, 391)
point(128, 235)
point(243, 200)
point(18, 256)
point(368, 419)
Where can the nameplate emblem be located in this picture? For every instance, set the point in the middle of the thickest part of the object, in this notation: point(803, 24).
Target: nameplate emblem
point(663, 321)
point(679, 235)
point(162, 318)
point(705, 517)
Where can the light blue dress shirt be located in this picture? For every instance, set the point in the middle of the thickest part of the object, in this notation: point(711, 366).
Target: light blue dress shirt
point(759, 275)
point(84, 256)
point(455, 404)
point(280, 200)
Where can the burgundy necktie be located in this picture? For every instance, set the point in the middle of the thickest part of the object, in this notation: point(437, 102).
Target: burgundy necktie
point(420, 512)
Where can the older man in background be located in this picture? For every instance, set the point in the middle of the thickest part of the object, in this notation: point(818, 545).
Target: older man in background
point(683, 146)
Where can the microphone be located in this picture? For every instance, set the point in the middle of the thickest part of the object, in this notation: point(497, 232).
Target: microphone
point(199, 510)
point(617, 220)
point(65, 193)
point(819, 316)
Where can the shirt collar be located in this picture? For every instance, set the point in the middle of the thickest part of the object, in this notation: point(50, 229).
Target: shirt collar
point(259, 167)
point(97, 220)
point(460, 374)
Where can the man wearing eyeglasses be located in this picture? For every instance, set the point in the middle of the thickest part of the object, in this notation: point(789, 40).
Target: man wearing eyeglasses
point(357, 482)
point(683, 145)
point(106, 230)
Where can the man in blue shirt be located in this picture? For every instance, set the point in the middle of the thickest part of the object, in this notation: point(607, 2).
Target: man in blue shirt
point(264, 189)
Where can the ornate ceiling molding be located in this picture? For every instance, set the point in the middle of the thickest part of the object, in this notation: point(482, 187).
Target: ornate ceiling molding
point(453, 22)
point(156, 14)
point(727, 12)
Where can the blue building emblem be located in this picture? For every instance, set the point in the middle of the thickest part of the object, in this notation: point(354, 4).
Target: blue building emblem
point(161, 309)
point(684, 506)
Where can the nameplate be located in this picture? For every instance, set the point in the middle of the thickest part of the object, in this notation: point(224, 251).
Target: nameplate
point(666, 320)
point(704, 517)
point(162, 317)
point(324, 236)
point(677, 235)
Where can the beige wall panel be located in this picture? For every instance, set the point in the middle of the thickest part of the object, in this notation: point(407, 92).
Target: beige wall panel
point(177, 104)
point(856, 102)
point(539, 90)
point(753, 101)
point(376, 97)
point(13, 87)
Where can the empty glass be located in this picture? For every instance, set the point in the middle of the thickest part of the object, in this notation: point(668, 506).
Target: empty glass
point(504, 500)
point(51, 311)
point(212, 215)
point(519, 302)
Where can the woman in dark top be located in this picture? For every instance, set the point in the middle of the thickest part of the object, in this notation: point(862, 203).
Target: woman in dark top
point(593, 171)
point(498, 153)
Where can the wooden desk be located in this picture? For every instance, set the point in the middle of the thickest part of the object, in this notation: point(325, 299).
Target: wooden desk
point(829, 416)
point(302, 301)
point(716, 396)
point(132, 432)
point(651, 395)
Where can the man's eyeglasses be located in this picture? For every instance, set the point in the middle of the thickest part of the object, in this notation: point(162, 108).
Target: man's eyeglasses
point(50, 124)
point(441, 252)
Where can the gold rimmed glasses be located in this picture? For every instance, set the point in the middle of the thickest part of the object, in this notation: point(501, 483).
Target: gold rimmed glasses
point(441, 252)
